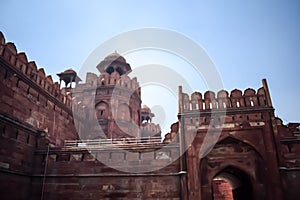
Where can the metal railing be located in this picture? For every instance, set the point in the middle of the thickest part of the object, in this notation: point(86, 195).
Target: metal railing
point(109, 142)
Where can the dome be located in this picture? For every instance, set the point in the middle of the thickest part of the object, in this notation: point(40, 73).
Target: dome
point(68, 76)
point(69, 71)
point(144, 107)
point(114, 62)
point(146, 111)
point(115, 56)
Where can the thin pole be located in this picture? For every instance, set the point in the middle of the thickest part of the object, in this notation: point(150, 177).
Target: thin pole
point(45, 172)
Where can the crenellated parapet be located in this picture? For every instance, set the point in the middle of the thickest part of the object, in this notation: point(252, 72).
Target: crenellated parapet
point(236, 99)
point(155, 128)
point(289, 144)
point(111, 98)
point(223, 110)
point(150, 130)
point(18, 65)
point(119, 81)
point(106, 80)
point(31, 96)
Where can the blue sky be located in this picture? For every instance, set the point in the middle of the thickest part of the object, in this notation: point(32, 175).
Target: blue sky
point(247, 40)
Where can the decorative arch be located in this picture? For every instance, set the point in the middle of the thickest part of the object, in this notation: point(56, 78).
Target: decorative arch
point(126, 81)
point(103, 79)
point(114, 78)
point(124, 112)
point(101, 110)
point(232, 183)
point(228, 139)
point(235, 163)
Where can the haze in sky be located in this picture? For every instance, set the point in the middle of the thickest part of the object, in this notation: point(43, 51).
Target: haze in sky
point(247, 40)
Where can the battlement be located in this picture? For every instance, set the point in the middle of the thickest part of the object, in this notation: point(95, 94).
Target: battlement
point(105, 79)
point(223, 101)
point(24, 69)
point(30, 96)
point(155, 128)
point(150, 129)
point(115, 79)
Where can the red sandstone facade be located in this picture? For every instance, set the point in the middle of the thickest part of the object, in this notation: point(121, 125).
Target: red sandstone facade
point(235, 147)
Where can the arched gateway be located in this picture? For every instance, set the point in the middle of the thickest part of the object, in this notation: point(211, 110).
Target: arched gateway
point(232, 183)
point(234, 170)
point(229, 145)
point(231, 148)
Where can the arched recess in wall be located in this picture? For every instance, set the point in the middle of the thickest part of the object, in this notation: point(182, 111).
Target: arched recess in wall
point(232, 183)
point(236, 163)
point(101, 110)
point(124, 112)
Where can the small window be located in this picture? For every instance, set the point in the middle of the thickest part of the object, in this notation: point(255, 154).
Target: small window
point(101, 112)
point(120, 71)
point(102, 81)
point(110, 70)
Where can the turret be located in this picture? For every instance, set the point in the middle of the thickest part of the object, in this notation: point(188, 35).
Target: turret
point(114, 63)
point(68, 76)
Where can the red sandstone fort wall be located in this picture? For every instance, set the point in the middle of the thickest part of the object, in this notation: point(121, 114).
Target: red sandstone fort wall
point(34, 111)
point(267, 150)
point(31, 97)
point(32, 108)
point(78, 173)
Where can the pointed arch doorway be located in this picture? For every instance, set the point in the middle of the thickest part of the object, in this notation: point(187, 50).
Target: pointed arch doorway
point(232, 184)
point(232, 170)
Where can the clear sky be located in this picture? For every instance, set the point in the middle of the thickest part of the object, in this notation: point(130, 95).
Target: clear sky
point(247, 40)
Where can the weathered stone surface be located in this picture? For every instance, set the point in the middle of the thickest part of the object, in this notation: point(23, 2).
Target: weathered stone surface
point(253, 153)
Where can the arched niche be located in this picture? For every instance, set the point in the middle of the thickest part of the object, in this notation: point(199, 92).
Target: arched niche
point(235, 163)
point(101, 110)
point(232, 183)
point(124, 113)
